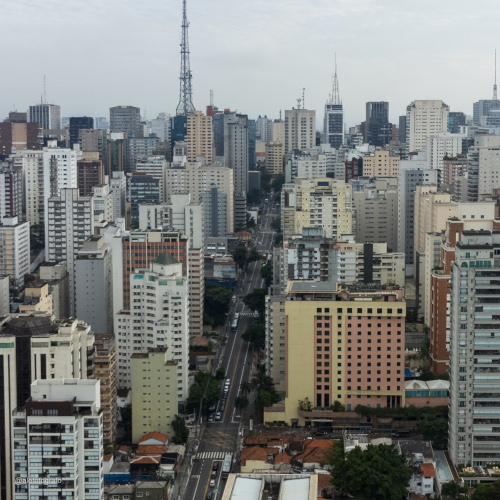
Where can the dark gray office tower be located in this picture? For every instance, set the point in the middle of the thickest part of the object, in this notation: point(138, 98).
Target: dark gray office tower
point(455, 119)
point(378, 130)
point(125, 119)
point(402, 128)
point(77, 123)
point(143, 189)
point(218, 128)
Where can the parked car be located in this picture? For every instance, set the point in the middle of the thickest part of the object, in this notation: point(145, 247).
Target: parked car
point(209, 495)
point(211, 417)
point(215, 466)
point(218, 416)
point(212, 483)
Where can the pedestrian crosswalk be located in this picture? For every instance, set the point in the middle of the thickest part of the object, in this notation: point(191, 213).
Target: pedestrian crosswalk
point(246, 314)
point(215, 455)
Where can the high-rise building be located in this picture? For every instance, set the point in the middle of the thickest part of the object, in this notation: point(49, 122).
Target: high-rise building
point(378, 130)
point(77, 123)
point(154, 398)
point(93, 140)
point(105, 370)
point(377, 212)
point(90, 173)
point(300, 129)
point(117, 152)
point(67, 413)
point(331, 333)
point(423, 119)
point(143, 188)
point(118, 186)
point(199, 137)
point(215, 212)
point(159, 317)
point(70, 223)
point(14, 250)
point(236, 158)
point(94, 286)
point(325, 203)
point(197, 179)
point(474, 347)
point(34, 347)
point(402, 129)
point(46, 173)
point(37, 298)
point(275, 154)
point(306, 164)
point(444, 145)
point(380, 164)
point(11, 192)
point(482, 108)
point(125, 119)
point(154, 166)
point(161, 127)
point(19, 136)
point(263, 129)
point(140, 149)
point(57, 277)
point(4, 295)
point(103, 204)
point(412, 173)
point(47, 115)
point(252, 159)
point(455, 120)
point(333, 123)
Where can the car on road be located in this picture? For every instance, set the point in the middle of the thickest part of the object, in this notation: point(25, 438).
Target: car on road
point(212, 483)
point(209, 495)
point(211, 418)
point(215, 466)
point(222, 407)
point(227, 382)
point(214, 474)
point(260, 243)
point(218, 416)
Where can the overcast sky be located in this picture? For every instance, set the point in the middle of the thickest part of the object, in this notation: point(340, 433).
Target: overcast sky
point(256, 55)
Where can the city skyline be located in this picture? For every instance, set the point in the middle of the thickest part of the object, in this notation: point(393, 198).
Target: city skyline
point(276, 50)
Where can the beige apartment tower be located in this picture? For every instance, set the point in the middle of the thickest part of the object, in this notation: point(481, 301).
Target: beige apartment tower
point(381, 164)
point(199, 137)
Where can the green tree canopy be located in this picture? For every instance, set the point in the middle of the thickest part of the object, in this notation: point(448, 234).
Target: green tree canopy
point(240, 256)
point(205, 386)
point(256, 335)
point(254, 196)
point(126, 414)
point(454, 491)
point(485, 491)
point(241, 402)
point(246, 388)
point(254, 255)
point(256, 300)
point(278, 182)
point(305, 404)
point(276, 224)
point(217, 302)
point(377, 473)
point(278, 240)
point(220, 374)
point(180, 429)
point(434, 429)
point(250, 222)
point(266, 273)
point(337, 406)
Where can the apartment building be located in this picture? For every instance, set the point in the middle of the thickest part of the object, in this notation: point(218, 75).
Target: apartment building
point(380, 164)
point(300, 129)
point(199, 137)
point(14, 250)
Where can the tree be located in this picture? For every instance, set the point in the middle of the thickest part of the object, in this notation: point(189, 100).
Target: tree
point(278, 182)
point(220, 374)
point(256, 300)
point(254, 255)
point(256, 335)
point(337, 406)
point(205, 390)
point(265, 398)
point(217, 302)
point(276, 225)
point(241, 402)
point(454, 491)
point(246, 388)
point(254, 196)
point(278, 240)
point(126, 414)
point(485, 491)
point(250, 222)
point(305, 404)
point(377, 473)
point(266, 273)
point(37, 236)
point(181, 431)
point(240, 256)
point(434, 429)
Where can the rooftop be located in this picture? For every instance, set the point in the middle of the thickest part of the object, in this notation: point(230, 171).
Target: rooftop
point(165, 259)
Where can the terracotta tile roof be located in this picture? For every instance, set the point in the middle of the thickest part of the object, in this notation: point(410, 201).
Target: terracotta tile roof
point(313, 455)
point(107, 458)
point(318, 443)
point(254, 453)
point(267, 439)
point(151, 449)
point(428, 470)
point(275, 442)
point(271, 451)
point(143, 460)
point(124, 448)
point(159, 436)
point(282, 458)
point(199, 340)
point(324, 481)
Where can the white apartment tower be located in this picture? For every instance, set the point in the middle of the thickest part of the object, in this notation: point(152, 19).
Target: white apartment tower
point(158, 317)
point(423, 119)
point(70, 223)
point(118, 186)
point(58, 441)
point(300, 129)
point(14, 249)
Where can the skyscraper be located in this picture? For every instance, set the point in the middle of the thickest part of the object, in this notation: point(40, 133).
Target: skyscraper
point(333, 127)
point(300, 129)
point(126, 119)
point(378, 130)
point(47, 115)
point(199, 137)
point(77, 123)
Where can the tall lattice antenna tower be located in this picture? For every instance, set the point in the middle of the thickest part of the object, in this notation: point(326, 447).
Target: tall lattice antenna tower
point(335, 85)
point(495, 84)
point(185, 106)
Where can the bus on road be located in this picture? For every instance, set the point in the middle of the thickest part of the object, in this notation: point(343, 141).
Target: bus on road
point(234, 324)
point(226, 465)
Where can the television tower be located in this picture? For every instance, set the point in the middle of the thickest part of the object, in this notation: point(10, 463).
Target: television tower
point(185, 106)
point(335, 84)
point(495, 84)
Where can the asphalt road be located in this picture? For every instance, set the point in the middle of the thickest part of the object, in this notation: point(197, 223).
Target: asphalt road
point(219, 438)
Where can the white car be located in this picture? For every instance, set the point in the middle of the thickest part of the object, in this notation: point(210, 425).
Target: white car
point(212, 483)
point(218, 416)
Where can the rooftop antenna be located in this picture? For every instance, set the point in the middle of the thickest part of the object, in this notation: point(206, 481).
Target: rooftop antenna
point(495, 84)
point(185, 106)
point(335, 90)
point(303, 97)
point(280, 114)
point(298, 102)
point(212, 98)
point(44, 91)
